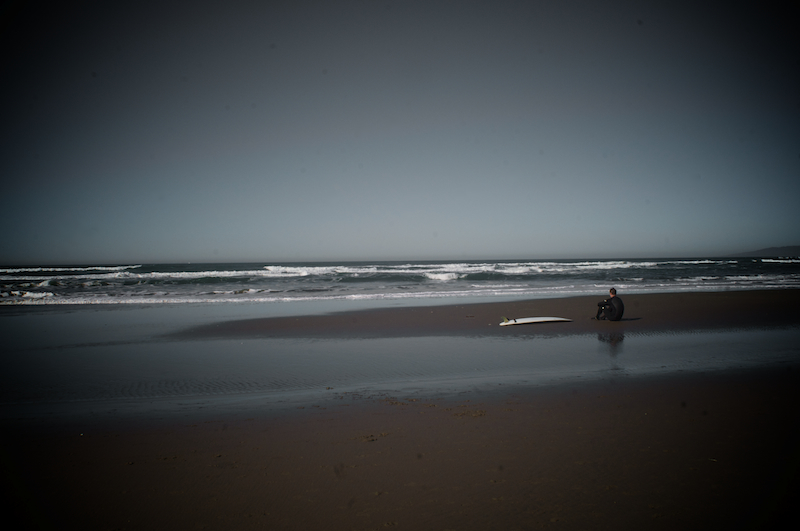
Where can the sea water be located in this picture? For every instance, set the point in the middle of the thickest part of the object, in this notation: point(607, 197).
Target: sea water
point(395, 282)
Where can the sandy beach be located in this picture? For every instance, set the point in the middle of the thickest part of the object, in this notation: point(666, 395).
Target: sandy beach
point(695, 449)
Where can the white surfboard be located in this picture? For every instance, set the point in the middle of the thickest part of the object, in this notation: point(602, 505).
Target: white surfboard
point(527, 320)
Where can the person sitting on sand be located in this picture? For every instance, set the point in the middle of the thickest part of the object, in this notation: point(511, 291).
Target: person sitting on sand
point(611, 308)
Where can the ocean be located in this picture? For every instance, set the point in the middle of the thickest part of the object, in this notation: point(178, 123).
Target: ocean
point(410, 282)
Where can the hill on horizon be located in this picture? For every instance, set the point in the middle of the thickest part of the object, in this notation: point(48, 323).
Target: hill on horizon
point(774, 252)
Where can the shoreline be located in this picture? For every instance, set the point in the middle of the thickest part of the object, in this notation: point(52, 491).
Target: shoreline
point(158, 353)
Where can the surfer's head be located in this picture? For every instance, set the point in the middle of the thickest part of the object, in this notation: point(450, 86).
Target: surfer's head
point(612, 292)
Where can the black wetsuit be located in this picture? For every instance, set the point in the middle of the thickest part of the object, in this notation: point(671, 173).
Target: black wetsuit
point(611, 309)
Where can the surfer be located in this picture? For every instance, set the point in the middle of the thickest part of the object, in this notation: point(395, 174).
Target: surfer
point(610, 308)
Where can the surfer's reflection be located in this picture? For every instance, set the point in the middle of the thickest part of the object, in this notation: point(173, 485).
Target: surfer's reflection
point(614, 342)
point(613, 339)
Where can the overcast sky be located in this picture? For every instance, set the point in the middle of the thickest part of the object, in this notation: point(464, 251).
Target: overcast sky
point(137, 132)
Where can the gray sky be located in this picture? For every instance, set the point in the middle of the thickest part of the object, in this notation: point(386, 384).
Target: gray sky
point(256, 131)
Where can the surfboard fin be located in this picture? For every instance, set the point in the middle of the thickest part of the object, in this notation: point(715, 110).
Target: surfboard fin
point(505, 320)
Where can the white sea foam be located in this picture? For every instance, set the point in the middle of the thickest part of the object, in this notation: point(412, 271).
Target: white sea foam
point(34, 295)
point(37, 295)
point(442, 276)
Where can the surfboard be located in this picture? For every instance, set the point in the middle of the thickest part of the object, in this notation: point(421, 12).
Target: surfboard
point(527, 320)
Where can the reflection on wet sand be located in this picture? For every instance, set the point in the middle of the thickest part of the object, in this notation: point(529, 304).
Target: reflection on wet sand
point(613, 339)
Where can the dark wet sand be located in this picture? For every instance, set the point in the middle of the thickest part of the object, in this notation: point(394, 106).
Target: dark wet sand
point(643, 313)
point(688, 451)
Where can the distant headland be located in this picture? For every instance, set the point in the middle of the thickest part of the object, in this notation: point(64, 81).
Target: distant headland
point(770, 252)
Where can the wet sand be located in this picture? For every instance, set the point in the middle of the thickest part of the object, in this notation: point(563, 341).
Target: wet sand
point(694, 452)
point(716, 450)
